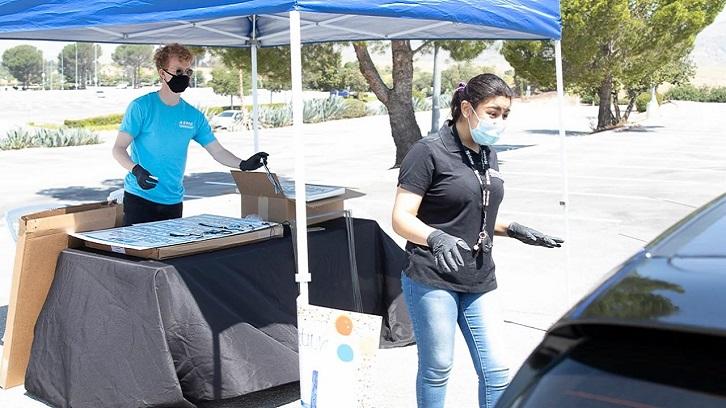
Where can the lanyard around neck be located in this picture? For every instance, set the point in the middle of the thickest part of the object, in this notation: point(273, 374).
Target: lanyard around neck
point(485, 180)
point(483, 242)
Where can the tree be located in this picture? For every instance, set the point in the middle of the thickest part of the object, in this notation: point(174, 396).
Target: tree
point(322, 66)
point(610, 45)
point(25, 63)
point(67, 57)
point(459, 72)
point(5, 75)
point(226, 82)
point(349, 77)
point(199, 53)
point(320, 61)
point(398, 97)
point(133, 58)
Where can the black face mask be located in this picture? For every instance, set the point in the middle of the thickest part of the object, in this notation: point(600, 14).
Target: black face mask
point(177, 83)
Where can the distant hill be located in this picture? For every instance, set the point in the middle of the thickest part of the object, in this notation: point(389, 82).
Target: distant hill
point(710, 54)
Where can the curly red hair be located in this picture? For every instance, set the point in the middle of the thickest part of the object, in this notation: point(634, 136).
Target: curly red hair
point(165, 53)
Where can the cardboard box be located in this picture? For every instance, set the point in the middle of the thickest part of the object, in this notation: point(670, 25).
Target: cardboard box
point(190, 248)
point(259, 197)
point(42, 237)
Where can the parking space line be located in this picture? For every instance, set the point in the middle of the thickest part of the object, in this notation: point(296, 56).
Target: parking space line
point(571, 217)
point(620, 179)
point(590, 164)
point(573, 193)
point(632, 237)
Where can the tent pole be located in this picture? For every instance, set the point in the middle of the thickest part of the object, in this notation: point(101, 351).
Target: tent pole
point(301, 230)
point(255, 108)
point(564, 202)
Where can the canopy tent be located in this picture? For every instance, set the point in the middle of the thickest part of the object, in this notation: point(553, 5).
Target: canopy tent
point(229, 23)
point(261, 23)
point(266, 23)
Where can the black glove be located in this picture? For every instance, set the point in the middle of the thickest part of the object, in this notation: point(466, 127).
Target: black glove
point(532, 237)
point(254, 162)
point(144, 178)
point(446, 250)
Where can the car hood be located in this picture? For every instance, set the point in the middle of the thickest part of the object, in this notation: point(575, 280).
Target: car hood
point(683, 293)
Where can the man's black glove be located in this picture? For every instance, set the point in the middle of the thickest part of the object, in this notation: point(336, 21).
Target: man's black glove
point(446, 250)
point(254, 162)
point(144, 178)
point(532, 237)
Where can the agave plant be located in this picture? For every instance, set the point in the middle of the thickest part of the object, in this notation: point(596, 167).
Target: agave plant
point(22, 138)
point(272, 117)
point(18, 139)
point(320, 110)
point(421, 104)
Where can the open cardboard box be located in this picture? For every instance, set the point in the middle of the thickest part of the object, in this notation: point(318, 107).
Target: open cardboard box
point(259, 197)
point(42, 236)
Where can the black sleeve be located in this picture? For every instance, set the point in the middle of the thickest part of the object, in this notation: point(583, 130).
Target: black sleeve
point(417, 169)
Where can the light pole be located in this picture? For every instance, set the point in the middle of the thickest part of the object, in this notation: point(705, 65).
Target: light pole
point(436, 93)
point(42, 71)
point(63, 74)
point(76, 66)
point(95, 66)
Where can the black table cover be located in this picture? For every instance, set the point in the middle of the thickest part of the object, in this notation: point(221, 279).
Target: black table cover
point(117, 331)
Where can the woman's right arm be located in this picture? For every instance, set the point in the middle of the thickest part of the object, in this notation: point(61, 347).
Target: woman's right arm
point(405, 222)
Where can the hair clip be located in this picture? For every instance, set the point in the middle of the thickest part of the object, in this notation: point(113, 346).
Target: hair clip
point(461, 86)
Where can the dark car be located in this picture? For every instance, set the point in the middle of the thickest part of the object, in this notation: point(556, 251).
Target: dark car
point(653, 334)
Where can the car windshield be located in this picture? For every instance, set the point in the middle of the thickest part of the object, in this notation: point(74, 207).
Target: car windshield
point(226, 114)
point(601, 374)
point(703, 237)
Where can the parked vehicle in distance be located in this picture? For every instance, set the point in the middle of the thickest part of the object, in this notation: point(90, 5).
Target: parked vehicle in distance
point(225, 119)
point(653, 334)
point(340, 92)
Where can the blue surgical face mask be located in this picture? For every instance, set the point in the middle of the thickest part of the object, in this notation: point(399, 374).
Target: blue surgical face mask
point(487, 132)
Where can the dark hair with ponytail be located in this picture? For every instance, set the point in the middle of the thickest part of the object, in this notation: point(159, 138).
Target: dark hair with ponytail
point(479, 89)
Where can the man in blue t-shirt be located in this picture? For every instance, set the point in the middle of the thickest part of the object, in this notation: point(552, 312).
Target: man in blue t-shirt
point(159, 126)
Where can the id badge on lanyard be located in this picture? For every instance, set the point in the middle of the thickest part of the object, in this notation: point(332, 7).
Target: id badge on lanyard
point(484, 241)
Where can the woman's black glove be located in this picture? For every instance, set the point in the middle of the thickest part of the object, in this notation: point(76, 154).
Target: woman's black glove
point(254, 162)
point(144, 178)
point(532, 237)
point(446, 250)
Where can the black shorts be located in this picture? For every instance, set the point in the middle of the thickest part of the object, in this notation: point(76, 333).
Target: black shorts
point(138, 210)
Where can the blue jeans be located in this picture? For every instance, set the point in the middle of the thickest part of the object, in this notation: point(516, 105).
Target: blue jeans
point(435, 314)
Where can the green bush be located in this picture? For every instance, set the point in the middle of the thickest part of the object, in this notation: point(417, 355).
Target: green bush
point(114, 119)
point(694, 94)
point(354, 108)
point(592, 99)
point(641, 102)
point(718, 95)
point(22, 138)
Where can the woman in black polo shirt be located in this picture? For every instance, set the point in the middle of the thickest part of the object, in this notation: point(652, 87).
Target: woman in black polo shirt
point(449, 191)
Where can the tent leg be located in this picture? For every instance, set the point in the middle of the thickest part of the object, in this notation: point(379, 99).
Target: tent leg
point(255, 107)
point(303, 275)
point(564, 202)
